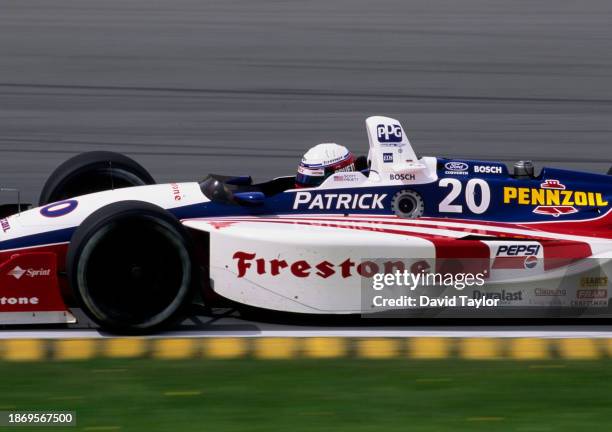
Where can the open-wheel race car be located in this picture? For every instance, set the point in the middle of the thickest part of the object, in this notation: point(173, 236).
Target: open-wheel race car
point(133, 254)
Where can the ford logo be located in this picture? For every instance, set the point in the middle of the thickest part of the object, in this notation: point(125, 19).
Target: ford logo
point(456, 166)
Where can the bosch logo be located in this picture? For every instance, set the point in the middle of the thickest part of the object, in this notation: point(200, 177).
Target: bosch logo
point(387, 157)
point(487, 169)
point(456, 166)
point(58, 209)
point(403, 177)
point(389, 133)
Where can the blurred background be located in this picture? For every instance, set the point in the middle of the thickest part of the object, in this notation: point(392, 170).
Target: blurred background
point(189, 87)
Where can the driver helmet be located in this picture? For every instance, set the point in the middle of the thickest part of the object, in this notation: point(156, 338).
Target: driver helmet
point(321, 161)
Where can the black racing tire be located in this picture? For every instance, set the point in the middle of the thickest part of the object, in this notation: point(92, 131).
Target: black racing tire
point(93, 172)
point(130, 267)
point(610, 171)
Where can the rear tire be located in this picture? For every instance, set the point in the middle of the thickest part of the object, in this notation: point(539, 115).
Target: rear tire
point(129, 266)
point(610, 171)
point(93, 172)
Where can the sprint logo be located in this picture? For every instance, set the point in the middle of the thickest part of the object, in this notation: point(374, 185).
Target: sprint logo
point(18, 272)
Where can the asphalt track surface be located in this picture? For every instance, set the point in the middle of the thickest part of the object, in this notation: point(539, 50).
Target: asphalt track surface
point(190, 87)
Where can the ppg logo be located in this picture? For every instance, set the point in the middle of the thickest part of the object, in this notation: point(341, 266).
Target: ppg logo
point(387, 157)
point(389, 133)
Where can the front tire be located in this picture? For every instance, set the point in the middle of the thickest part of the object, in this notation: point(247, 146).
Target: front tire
point(130, 268)
point(93, 172)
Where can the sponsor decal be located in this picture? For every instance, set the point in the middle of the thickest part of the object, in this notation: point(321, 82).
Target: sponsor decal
point(590, 303)
point(387, 157)
point(18, 272)
point(311, 171)
point(531, 262)
point(403, 177)
point(552, 184)
point(487, 169)
point(348, 168)
point(338, 201)
point(325, 162)
point(516, 256)
point(5, 225)
point(250, 263)
point(548, 292)
point(592, 294)
point(553, 198)
point(346, 177)
point(504, 296)
point(19, 301)
point(594, 281)
point(389, 133)
point(456, 168)
point(58, 209)
point(176, 191)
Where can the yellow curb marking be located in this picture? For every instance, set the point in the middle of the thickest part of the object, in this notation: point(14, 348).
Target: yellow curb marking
point(124, 348)
point(276, 348)
point(321, 347)
point(23, 350)
point(74, 349)
point(607, 345)
point(314, 347)
point(183, 393)
point(172, 349)
point(529, 349)
point(225, 348)
point(480, 348)
point(378, 348)
point(578, 349)
point(428, 348)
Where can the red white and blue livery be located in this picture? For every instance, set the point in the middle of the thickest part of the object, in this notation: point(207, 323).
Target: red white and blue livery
point(133, 254)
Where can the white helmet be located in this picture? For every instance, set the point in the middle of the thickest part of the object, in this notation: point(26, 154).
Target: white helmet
point(321, 161)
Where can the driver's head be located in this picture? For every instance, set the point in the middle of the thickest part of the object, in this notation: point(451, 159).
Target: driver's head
point(321, 161)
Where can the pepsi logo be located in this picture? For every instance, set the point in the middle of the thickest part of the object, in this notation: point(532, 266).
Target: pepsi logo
point(531, 262)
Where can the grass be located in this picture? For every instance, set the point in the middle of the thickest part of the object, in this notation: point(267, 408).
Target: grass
point(306, 395)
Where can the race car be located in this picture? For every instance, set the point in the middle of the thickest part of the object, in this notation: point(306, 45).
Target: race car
point(133, 255)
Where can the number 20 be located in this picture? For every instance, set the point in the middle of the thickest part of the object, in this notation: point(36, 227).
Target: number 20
point(447, 206)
